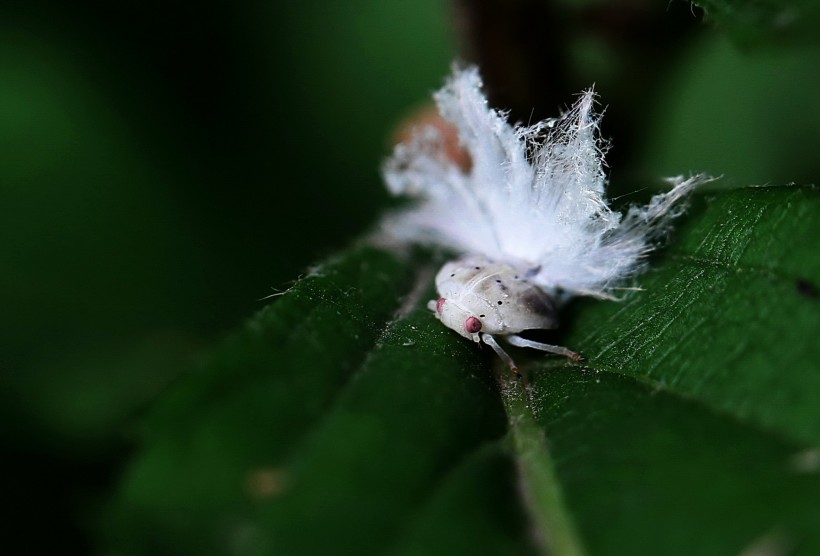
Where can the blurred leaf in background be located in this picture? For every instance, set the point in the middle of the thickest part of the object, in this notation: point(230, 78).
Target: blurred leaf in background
point(163, 167)
point(748, 117)
point(752, 23)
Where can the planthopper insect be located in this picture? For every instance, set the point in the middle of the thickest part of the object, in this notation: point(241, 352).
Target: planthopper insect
point(525, 208)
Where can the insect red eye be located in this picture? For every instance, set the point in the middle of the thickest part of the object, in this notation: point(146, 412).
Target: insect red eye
point(440, 304)
point(472, 325)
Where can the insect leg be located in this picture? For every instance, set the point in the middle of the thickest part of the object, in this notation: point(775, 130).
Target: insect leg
point(523, 342)
point(490, 341)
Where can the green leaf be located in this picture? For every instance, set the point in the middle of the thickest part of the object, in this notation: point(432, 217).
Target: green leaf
point(345, 419)
point(751, 22)
point(730, 317)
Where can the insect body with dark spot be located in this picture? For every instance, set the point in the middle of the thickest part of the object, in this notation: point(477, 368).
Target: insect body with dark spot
point(483, 300)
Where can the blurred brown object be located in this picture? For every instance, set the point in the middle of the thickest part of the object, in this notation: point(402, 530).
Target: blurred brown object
point(428, 116)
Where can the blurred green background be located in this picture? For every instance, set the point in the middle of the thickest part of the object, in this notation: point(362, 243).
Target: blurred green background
point(164, 166)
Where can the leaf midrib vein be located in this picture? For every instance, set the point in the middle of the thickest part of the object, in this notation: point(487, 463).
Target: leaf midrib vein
point(554, 531)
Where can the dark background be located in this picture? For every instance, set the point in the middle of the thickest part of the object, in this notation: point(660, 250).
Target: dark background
point(164, 166)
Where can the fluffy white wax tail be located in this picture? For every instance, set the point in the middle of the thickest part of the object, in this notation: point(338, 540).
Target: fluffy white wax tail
point(533, 196)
